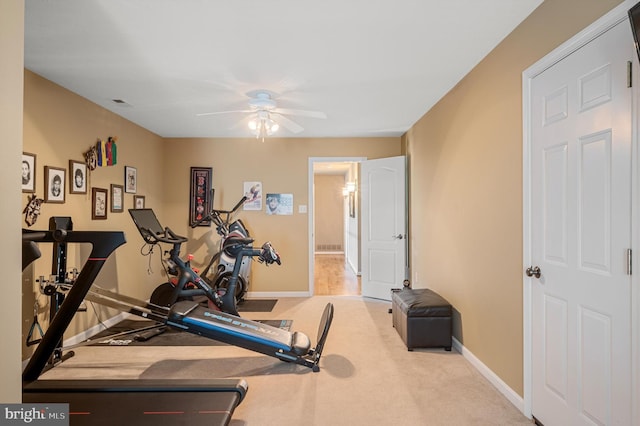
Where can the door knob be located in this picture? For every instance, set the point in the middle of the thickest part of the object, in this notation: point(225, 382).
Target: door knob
point(398, 237)
point(533, 271)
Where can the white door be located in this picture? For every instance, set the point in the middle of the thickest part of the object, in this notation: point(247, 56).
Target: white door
point(383, 233)
point(580, 233)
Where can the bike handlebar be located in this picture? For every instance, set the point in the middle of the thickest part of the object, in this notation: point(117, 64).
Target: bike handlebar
point(198, 222)
point(215, 214)
point(269, 255)
point(168, 236)
point(237, 206)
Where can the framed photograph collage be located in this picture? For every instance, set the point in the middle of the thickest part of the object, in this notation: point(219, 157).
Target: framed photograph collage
point(59, 181)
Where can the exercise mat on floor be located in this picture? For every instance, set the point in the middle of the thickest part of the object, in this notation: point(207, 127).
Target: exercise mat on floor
point(169, 337)
point(257, 305)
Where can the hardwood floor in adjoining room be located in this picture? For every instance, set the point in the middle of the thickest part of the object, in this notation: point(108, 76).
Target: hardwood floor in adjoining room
point(333, 277)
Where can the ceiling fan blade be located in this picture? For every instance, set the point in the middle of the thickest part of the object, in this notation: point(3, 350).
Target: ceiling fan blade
point(241, 111)
point(300, 112)
point(290, 125)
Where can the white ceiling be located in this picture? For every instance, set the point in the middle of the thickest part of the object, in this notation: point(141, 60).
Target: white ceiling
point(373, 66)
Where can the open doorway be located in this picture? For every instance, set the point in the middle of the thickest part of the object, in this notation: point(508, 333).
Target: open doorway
point(334, 256)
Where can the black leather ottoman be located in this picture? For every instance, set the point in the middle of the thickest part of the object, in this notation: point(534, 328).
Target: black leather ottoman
point(422, 318)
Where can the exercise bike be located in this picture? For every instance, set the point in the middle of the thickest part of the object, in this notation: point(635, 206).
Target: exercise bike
point(220, 268)
point(186, 283)
point(224, 323)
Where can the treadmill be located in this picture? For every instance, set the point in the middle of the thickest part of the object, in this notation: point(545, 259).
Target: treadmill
point(109, 402)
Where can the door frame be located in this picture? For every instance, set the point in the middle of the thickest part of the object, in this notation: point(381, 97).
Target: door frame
point(615, 16)
point(310, 210)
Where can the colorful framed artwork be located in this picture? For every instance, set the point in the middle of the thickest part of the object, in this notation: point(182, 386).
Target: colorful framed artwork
point(200, 195)
point(253, 192)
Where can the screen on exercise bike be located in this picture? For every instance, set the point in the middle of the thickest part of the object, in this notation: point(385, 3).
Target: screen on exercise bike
point(145, 219)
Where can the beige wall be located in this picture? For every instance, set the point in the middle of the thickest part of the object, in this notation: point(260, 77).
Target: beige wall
point(329, 218)
point(282, 166)
point(11, 83)
point(60, 126)
point(466, 189)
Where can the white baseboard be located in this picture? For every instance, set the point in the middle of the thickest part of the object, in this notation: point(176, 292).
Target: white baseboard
point(87, 334)
point(496, 381)
point(90, 332)
point(276, 294)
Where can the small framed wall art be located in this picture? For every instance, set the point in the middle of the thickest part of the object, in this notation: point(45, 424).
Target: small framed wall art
point(253, 192)
point(54, 182)
point(200, 202)
point(99, 198)
point(279, 204)
point(28, 172)
point(77, 177)
point(138, 201)
point(130, 180)
point(117, 198)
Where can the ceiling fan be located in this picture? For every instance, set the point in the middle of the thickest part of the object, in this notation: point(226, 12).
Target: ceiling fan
point(267, 116)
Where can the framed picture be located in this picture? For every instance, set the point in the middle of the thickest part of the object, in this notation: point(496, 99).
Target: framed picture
point(28, 172)
point(138, 201)
point(253, 192)
point(54, 181)
point(200, 195)
point(279, 204)
point(130, 179)
point(117, 198)
point(77, 177)
point(99, 203)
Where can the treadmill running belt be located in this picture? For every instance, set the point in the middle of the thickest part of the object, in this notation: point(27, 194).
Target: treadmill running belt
point(142, 402)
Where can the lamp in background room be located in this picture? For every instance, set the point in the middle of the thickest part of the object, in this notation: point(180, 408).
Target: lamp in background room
point(349, 188)
point(262, 125)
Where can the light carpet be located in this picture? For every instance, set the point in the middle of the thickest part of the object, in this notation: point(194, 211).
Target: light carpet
point(367, 376)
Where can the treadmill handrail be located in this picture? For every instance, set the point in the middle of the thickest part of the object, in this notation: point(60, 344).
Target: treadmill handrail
point(103, 244)
point(239, 386)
